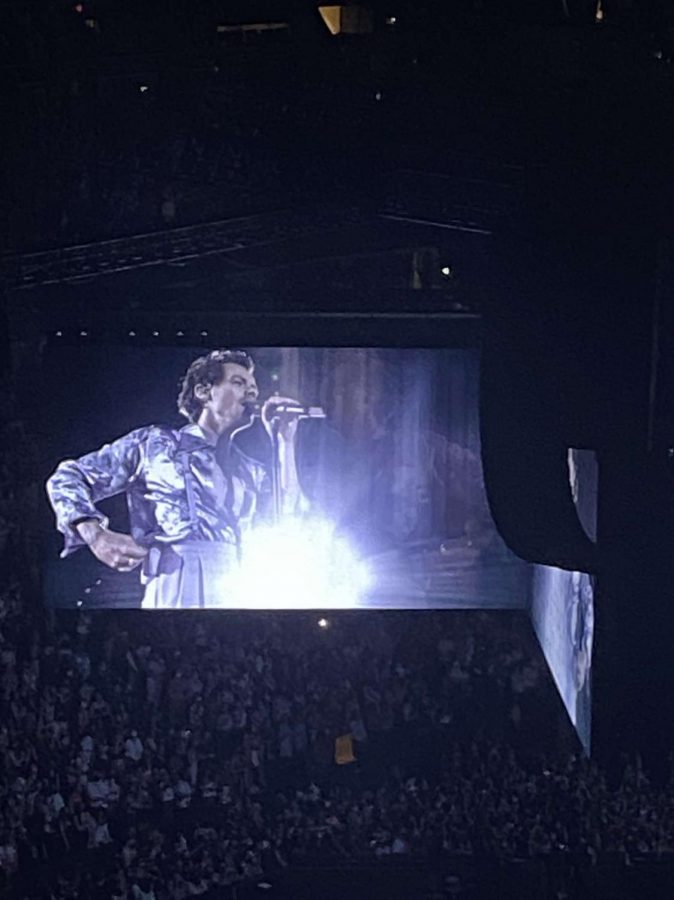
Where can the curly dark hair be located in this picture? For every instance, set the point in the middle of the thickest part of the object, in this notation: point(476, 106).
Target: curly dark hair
point(207, 370)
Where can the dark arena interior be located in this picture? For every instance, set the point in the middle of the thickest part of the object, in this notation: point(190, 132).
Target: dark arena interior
point(337, 457)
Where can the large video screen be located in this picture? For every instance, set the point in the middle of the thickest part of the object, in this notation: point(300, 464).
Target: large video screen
point(562, 607)
point(293, 477)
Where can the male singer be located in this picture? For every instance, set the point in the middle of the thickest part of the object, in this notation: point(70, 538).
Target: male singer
point(191, 492)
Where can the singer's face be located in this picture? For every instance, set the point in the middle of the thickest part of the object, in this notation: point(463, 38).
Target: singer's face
point(227, 399)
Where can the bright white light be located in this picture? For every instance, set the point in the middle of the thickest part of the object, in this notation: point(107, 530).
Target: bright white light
point(299, 564)
point(144, 88)
point(322, 623)
point(446, 271)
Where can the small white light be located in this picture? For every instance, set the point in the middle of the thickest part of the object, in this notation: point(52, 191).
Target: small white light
point(204, 334)
point(84, 333)
point(180, 334)
point(155, 334)
point(79, 603)
point(59, 334)
point(446, 271)
point(144, 88)
point(322, 623)
point(391, 20)
point(132, 334)
point(377, 96)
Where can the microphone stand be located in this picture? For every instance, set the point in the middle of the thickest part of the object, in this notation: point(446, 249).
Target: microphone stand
point(275, 470)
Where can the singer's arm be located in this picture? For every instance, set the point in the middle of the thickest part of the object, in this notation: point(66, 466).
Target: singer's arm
point(78, 485)
point(292, 498)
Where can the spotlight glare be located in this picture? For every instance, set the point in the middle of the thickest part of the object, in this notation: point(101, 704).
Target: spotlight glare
point(299, 564)
point(322, 623)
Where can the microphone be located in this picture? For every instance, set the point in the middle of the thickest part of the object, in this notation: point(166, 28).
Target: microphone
point(291, 409)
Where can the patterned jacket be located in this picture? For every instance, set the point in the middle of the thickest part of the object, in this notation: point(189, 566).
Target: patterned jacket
point(177, 487)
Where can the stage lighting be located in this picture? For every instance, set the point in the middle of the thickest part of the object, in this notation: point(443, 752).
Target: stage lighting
point(323, 623)
point(351, 19)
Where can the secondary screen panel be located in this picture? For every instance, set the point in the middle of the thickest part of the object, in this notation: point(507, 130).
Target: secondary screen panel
point(289, 478)
point(562, 607)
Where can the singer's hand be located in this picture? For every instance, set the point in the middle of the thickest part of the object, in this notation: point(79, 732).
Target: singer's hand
point(118, 551)
point(287, 422)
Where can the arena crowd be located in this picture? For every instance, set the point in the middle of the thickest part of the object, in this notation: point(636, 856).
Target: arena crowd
point(175, 755)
